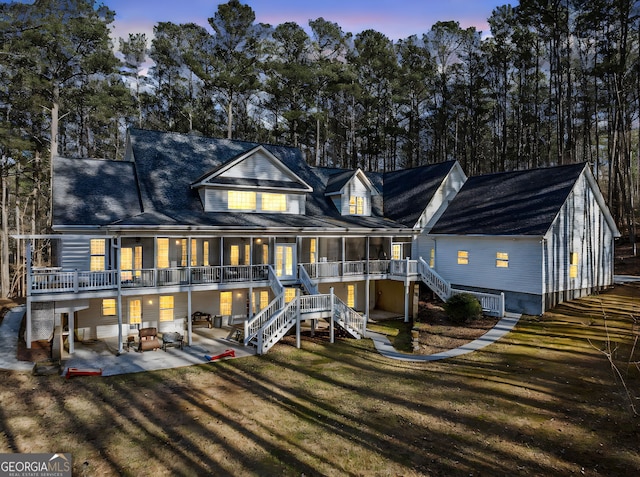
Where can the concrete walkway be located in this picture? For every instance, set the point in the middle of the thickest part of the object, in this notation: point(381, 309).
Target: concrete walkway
point(102, 354)
point(618, 279)
point(9, 330)
point(506, 324)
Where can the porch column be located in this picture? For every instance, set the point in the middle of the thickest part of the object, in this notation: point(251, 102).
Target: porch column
point(366, 292)
point(298, 318)
point(71, 323)
point(29, 263)
point(118, 281)
point(188, 318)
point(406, 290)
point(331, 326)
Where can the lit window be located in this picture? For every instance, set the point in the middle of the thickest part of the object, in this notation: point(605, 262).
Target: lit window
point(351, 296)
point(205, 253)
point(274, 202)
point(241, 200)
point(126, 263)
point(261, 301)
point(396, 251)
point(135, 312)
point(432, 258)
point(109, 307)
point(312, 251)
point(264, 299)
point(225, 303)
point(265, 253)
point(183, 250)
point(573, 265)
point(194, 253)
point(502, 260)
point(97, 254)
point(463, 257)
point(235, 255)
point(247, 254)
point(163, 253)
point(289, 294)
point(166, 308)
point(356, 205)
point(137, 260)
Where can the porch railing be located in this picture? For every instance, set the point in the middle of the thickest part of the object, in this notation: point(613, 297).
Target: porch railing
point(305, 279)
point(45, 280)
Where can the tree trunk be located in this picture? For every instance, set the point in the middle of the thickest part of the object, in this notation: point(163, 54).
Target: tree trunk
point(55, 113)
point(4, 240)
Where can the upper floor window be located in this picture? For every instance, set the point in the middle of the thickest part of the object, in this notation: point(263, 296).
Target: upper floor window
point(163, 253)
point(356, 205)
point(274, 202)
point(97, 254)
point(463, 257)
point(241, 200)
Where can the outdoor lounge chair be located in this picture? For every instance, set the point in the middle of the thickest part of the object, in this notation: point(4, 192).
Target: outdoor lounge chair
point(148, 339)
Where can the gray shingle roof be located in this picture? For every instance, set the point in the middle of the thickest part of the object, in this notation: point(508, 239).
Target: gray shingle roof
point(154, 188)
point(93, 191)
point(408, 192)
point(509, 203)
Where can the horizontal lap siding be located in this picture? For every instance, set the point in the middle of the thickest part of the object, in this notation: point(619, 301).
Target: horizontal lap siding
point(523, 275)
point(76, 253)
point(579, 228)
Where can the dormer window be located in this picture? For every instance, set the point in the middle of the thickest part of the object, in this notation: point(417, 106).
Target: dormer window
point(274, 202)
point(351, 192)
point(253, 182)
point(356, 205)
point(241, 200)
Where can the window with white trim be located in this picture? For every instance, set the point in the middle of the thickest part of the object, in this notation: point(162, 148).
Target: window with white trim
point(225, 303)
point(166, 308)
point(573, 265)
point(502, 260)
point(135, 311)
point(109, 307)
point(273, 202)
point(97, 262)
point(241, 200)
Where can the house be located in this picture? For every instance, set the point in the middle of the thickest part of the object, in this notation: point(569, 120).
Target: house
point(249, 233)
point(540, 237)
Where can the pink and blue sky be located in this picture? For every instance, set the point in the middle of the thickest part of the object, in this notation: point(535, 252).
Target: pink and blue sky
point(395, 18)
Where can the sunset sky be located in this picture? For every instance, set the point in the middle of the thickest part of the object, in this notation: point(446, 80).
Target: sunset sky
point(395, 18)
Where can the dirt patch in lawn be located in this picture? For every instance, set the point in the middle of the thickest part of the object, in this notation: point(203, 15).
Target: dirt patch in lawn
point(438, 333)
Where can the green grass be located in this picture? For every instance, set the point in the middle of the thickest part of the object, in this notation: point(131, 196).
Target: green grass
point(543, 401)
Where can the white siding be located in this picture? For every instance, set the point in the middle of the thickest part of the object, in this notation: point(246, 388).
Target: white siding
point(257, 166)
point(580, 228)
point(355, 187)
point(524, 274)
point(76, 253)
point(440, 200)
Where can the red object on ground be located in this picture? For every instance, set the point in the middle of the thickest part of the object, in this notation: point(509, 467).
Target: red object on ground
point(228, 353)
point(83, 372)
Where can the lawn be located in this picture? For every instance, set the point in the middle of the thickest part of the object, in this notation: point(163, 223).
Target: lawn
point(543, 401)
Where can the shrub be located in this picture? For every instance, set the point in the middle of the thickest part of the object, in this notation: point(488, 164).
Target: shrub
point(463, 307)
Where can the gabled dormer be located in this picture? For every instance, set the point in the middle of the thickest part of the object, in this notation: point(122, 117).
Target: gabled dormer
point(351, 192)
point(253, 182)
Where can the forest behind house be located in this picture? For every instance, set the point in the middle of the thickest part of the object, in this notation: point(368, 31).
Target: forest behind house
point(554, 82)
